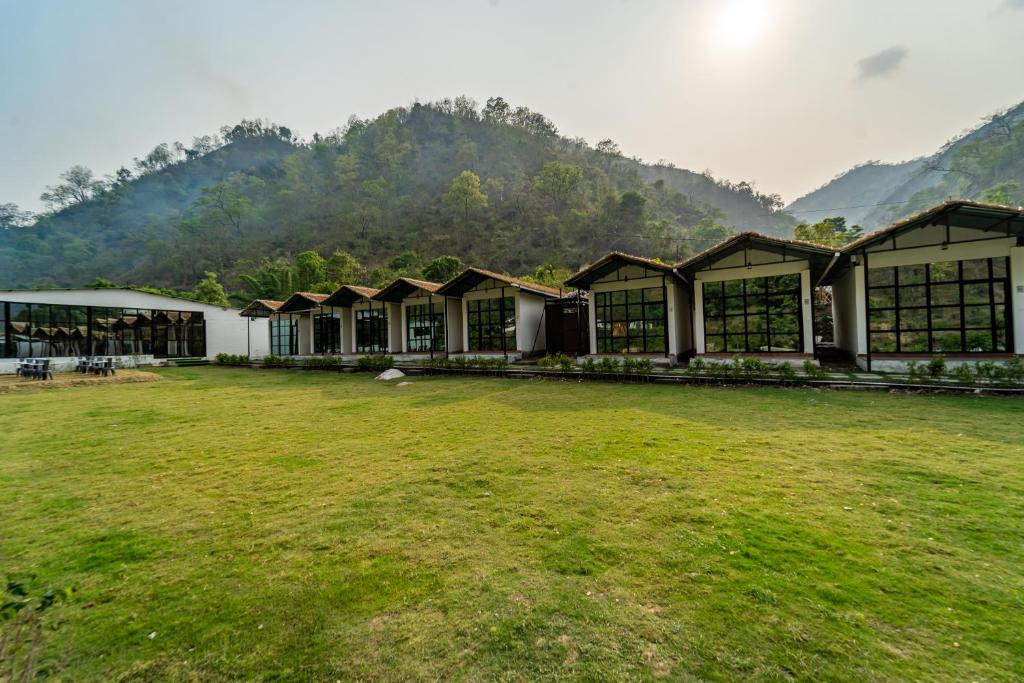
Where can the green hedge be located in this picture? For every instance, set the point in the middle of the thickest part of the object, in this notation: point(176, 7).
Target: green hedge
point(469, 363)
point(375, 363)
point(231, 359)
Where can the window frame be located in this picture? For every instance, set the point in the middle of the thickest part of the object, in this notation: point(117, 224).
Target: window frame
point(614, 309)
point(432, 314)
point(747, 293)
point(481, 327)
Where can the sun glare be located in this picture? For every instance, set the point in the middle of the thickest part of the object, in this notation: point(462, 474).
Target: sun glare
point(738, 25)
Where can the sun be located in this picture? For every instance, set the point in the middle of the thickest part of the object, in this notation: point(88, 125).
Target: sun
point(738, 25)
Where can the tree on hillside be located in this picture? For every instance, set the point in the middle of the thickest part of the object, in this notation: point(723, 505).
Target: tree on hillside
point(310, 269)
point(549, 274)
point(210, 290)
point(79, 186)
point(443, 268)
point(11, 216)
point(1008, 193)
point(345, 269)
point(464, 198)
point(831, 232)
point(558, 181)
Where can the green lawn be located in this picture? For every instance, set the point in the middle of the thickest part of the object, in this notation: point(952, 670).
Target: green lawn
point(277, 525)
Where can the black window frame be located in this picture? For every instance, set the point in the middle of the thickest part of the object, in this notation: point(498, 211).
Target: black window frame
point(327, 333)
point(935, 310)
point(372, 327)
point(645, 333)
point(491, 324)
point(427, 320)
point(284, 336)
point(717, 289)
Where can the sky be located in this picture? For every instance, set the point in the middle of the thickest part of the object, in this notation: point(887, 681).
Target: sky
point(785, 93)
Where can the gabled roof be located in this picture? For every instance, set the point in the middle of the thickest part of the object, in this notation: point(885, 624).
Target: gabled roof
point(260, 308)
point(403, 287)
point(960, 212)
point(610, 263)
point(346, 295)
point(471, 277)
point(302, 301)
point(818, 255)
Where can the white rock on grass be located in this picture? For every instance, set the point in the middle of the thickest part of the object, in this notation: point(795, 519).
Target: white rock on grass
point(393, 373)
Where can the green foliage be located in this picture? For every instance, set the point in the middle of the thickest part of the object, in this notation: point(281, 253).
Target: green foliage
point(785, 371)
point(210, 290)
point(1013, 369)
point(936, 367)
point(813, 371)
point(989, 371)
point(589, 364)
point(559, 360)
point(272, 361)
point(310, 269)
point(22, 629)
point(832, 232)
point(964, 373)
point(637, 366)
point(377, 363)
point(497, 188)
point(470, 363)
point(609, 364)
point(345, 269)
point(443, 269)
point(696, 367)
point(917, 371)
point(232, 359)
point(102, 283)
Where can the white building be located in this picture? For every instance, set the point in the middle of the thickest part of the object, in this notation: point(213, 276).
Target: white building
point(949, 280)
point(139, 328)
point(638, 306)
point(500, 315)
point(425, 323)
point(364, 322)
point(752, 295)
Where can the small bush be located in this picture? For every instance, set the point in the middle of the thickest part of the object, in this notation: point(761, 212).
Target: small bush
point(990, 371)
point(558, 360)
point(609, 365)
point(470, 363)
point(637, 366)
point(1013, 370)
point(230, 359)
point(272, 361)
point(917, 371)
point(696, 367)
point(375, 362)
point(785, 371)
point(936, 367)
point(813, 370)
point(963, 373)
point(589, 365)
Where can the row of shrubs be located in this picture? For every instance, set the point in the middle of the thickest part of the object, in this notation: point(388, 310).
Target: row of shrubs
point(751, 368)
point(469, 363)
point(987, 372)
point(231, 359)
point(375, 363)
point(625, 366)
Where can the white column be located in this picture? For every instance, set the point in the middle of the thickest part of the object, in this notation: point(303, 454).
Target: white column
point(698, 316)
point(465, 325)
point(862, 310)
point(672, 318)
point(405, 328)
point(592, 321)
point(1017, 297)
point(808, 311)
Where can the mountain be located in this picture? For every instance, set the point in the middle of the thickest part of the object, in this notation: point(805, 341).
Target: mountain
point(496, 186)
point(985, 164)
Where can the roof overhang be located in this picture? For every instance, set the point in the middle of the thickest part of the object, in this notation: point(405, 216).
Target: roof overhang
point(820, 258)
point(260, 308)
point(347, 295)
point(610, 263)
point(960, 213)
point(403, 287)
point(302, 301)
point(471, 277)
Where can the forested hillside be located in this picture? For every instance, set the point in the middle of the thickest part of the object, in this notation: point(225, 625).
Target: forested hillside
point(496, 186)
point(986, 164)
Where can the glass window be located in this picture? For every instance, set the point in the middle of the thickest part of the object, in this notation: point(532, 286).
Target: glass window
point(327, 333)
point(492, 322)
point(425, 327)
point(372, 330)
point(946, 307)
point(636, 328)
point(753, 315)
point(284, 337)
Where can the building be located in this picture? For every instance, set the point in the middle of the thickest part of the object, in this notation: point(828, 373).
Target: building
point(425, 323)
point(262, 309)
point(948, 280)
point(364, 322)
point(500, 314)
point(637, 306)
point(752, 295)
point(138, 327)
point(302, 326)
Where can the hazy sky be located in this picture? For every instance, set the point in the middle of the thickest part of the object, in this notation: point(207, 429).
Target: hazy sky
point(786, 93)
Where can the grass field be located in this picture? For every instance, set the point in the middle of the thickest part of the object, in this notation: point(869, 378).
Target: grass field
point(284, 525)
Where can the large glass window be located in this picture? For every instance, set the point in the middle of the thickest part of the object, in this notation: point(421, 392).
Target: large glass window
point(425, 327)
point(752, 315)
point(371, 330)
point(327, 333)
point(631, 320)
point(53, 330)
point(284, 337)
point(492, 324)
point(945, 307)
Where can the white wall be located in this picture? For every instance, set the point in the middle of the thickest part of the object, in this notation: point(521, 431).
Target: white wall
point(226, 330)
point(454, 327)
point(531, 335)
point(1017, 293)
point(846, 297)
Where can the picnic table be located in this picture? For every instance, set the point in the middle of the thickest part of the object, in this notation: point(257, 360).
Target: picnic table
point(96, 365)
point(34, 368)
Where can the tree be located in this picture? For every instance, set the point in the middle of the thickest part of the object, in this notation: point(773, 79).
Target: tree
point(608, 146)
point(443, 268)
point(1007, 193)
point(210, 290)
point(79, 186)
point(497, 110)
point(13, 217)
point(310, 268)
point(549, 274)
point(558, 181)
point(831, 232)
point(344, 268)
point(102, 283)
point(464, 197)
